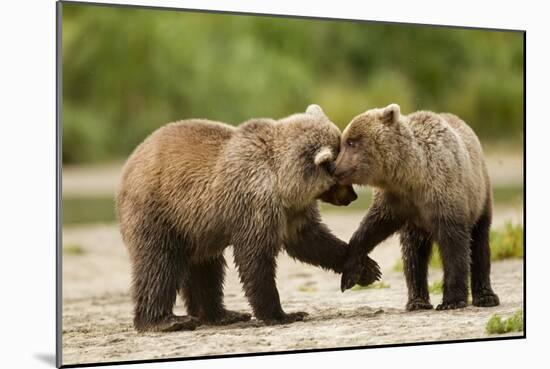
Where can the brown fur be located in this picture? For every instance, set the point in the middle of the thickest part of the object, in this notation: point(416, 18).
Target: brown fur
point(195, 187)
point(431, 184)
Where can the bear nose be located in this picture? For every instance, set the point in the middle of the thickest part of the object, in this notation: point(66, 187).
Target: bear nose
point(341, 173)
point(337, 171)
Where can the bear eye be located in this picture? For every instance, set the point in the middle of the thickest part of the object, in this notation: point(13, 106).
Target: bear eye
point(351, 143)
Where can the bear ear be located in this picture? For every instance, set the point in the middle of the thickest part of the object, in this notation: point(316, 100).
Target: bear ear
point(315, 109)
point(324, 154)
point(391, 114)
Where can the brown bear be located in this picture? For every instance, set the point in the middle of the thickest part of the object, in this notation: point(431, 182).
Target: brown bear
point(194, 187)
point(430, 184)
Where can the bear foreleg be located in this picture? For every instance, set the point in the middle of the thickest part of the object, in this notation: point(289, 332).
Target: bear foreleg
point(255, 259)
point(315, 245)
point(375, 227)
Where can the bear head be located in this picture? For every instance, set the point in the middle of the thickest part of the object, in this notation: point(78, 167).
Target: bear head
point(370, 147)
point(307, 150)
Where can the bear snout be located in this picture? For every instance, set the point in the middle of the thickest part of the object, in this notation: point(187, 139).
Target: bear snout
point(342, 174)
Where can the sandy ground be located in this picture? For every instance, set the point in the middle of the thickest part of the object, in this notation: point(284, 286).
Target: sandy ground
point(97, 311)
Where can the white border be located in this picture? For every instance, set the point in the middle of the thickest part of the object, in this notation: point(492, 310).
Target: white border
point(27, 191)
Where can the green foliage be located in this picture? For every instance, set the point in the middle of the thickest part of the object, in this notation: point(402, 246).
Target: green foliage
point(398, 266)
point(497, 325)
point(73, 249)
point(435, 261)
point(81, 210)
point(436, 287)
point(508, 195)
point(373, 286)
point(305, 288)
point(505, 243)
point(128, 71)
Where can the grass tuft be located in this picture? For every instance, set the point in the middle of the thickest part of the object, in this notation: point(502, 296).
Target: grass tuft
point(507, 243)
point(436, 287)
point(307, 289)
point(73, 249)
point(398, 266)
point(497, 325)
point(374, 286)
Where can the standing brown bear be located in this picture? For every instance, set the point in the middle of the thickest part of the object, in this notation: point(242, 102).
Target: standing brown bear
point(194, 187)
point(431, 184)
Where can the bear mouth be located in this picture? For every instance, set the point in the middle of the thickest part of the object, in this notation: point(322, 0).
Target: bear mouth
point(345, 202)
point(344, 177)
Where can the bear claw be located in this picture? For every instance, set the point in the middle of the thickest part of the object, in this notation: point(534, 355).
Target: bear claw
point(451, 305)
point(418, 304)
point(288, 318)
point(486, 300)
point(176, 323)
point(228, 317)
point(363, 272)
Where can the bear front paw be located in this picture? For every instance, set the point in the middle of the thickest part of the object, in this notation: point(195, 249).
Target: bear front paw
point(362, 271)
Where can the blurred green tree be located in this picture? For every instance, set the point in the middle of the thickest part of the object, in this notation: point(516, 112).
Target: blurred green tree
point(127, 71)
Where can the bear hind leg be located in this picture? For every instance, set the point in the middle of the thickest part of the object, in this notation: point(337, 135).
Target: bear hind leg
point(482, 293)
point(257, 274)
point(416, 249)
point(202, 292)
point(454, 246)
point(157, 267)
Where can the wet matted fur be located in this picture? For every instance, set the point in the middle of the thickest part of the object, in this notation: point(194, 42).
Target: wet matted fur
point(194, 187)
point(431, 184)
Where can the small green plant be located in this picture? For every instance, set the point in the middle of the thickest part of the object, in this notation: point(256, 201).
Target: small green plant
point(436, 287)
point(435, 261)
point(73, 249)
point(507, 243)
point(374, 286)
point(307, 289)
point(497, 325)
point(398, 266)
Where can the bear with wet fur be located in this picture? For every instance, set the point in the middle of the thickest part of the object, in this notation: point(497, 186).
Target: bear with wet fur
point(194, 187)
point(430, 185)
